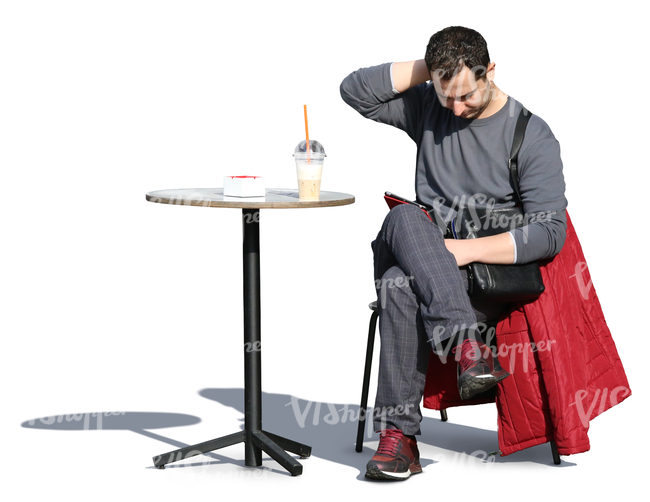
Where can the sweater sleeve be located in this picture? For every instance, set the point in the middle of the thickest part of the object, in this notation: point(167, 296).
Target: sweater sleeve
point(370, 92)
point(542, 187)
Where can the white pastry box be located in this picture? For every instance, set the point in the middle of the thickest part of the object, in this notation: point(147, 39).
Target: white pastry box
point(243, 186)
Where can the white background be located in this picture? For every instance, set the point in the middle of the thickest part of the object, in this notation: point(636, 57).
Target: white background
point(111, 303)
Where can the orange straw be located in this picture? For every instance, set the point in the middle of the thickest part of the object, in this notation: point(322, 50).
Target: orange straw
point(307, 134)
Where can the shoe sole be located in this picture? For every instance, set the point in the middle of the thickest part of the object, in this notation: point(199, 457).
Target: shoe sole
point(471, 386)
point(373, 472)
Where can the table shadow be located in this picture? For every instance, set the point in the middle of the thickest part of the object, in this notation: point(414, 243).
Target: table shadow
point(134, 421)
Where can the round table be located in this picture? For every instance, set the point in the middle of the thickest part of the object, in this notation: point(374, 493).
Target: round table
point(254, 438)
point(276, 198)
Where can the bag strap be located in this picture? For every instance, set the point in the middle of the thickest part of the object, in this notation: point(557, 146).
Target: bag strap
point(520, 131)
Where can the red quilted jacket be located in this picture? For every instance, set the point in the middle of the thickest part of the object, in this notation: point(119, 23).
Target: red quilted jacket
point(564, 364)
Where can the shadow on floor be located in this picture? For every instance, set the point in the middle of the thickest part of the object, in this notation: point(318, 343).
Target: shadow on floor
point(329, 428)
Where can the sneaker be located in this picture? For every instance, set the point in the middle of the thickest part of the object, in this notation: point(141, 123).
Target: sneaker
point(397, 457)
point(476, 371)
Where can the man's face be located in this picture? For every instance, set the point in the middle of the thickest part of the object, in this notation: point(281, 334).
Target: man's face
point(463, 94)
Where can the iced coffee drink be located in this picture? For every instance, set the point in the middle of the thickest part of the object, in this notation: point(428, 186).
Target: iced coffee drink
point(309, 166)
point(309, 175)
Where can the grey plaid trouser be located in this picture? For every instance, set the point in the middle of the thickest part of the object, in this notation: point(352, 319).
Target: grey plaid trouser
point(422, 299)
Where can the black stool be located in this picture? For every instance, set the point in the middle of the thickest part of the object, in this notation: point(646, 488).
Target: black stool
point(366, 384)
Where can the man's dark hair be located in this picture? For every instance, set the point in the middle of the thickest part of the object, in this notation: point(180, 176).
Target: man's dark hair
point(454, 47)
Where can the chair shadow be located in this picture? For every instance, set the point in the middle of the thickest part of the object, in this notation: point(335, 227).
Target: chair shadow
point(331, 430)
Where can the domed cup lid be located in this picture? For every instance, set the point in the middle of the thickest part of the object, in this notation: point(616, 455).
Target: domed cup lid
point(315, 148)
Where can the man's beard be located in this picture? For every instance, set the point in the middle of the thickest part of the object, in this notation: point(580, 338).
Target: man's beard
point(475, 113)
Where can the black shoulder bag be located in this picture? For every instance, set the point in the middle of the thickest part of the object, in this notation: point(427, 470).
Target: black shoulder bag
point(500, 283)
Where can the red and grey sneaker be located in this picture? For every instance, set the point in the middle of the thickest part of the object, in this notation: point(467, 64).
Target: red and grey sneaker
point(476, 371)
point(397, 457)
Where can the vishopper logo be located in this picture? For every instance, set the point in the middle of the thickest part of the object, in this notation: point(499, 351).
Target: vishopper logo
point(443, 350)
point(439, 74)
point(522, 348)
point(462, 459)
point(492, 348)
point(502, 350)
point(204, 467)
point(478, 70)
point(251, 217)
point(77, 417)
point(493, 218)
point(253, 346)
point(187, 199)
point(345, 414)
point(383, 285)
point(584, 288)
point(600, 398)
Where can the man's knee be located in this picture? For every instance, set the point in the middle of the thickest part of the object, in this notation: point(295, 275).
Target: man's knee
point(400, 217)
point(403, 212)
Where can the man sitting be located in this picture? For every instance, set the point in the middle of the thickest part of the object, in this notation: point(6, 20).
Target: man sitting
point(463, 126)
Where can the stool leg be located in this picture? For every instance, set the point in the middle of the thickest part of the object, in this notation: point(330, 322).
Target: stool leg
point(443, 415)
point(366, 380)
point(556, 455)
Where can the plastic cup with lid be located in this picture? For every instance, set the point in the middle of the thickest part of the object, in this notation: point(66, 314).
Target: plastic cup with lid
point(309, 167)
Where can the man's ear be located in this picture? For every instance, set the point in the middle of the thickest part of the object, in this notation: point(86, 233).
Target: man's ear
point(490, 71)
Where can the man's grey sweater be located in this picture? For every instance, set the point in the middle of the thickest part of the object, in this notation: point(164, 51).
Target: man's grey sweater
point(461, 160)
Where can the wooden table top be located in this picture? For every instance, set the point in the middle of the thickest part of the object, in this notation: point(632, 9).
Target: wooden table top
point(276, 198)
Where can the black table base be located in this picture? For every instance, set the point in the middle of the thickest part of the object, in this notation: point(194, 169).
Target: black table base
point(254, 438)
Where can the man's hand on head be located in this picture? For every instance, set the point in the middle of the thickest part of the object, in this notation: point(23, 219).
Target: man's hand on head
point(409, 74)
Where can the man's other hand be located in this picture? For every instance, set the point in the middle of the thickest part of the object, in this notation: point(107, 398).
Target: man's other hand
point(494, 249)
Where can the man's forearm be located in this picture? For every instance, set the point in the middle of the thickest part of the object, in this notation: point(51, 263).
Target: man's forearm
point(409, 74)
point(493, 249)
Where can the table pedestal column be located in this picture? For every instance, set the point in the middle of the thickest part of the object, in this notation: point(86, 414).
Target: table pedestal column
point(252, 334)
